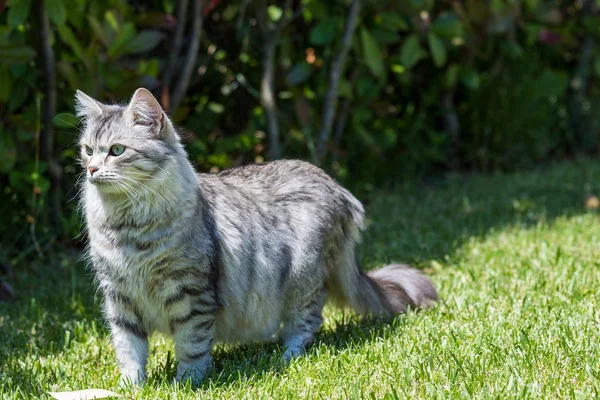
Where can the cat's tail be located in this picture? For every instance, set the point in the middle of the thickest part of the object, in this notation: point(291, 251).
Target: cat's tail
point(387, 291)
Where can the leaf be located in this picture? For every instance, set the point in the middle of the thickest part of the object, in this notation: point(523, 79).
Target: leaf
point(98, 30)
point(373, 57)
point(124, 35)
point(384, 36)
point(18, 95)
point(67, 35)
point(6, 85)
point(16, 54)
point(56, 11)
point(300, 73)
point(323, 33)
point(142, 42)
point(448, 26)
point(597, 66)
point(452, 75)
point(9, 153)
point(470, 78)
point(65, 120)
point(344, 89)
point(87, 394)
point(393, 21)
point(438, 50)
point(18, 12)
point(69, 73)
point(274, 13)
point(411, 51)
point(4, 35)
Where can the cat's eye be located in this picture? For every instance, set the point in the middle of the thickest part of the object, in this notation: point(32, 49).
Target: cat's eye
point(117, 150)
point(88, 150)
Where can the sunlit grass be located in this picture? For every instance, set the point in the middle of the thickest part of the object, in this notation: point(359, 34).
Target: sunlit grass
point(516, 258)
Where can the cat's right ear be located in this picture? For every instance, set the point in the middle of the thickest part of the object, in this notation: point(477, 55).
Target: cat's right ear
point(86, 107)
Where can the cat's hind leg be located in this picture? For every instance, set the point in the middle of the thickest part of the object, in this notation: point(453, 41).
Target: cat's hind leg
point(299, 327)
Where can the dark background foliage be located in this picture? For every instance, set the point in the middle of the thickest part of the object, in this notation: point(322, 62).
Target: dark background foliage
point(373, 91)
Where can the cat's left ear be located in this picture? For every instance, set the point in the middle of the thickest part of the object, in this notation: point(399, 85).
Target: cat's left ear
point(146, 111)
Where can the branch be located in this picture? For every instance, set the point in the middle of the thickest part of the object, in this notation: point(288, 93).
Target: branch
point(334, 80)
point(242, 14)
point(47, 138)
point(579, 82)
point(174, 53)
point(192, 56)
point(340, 123)
point(267, 87)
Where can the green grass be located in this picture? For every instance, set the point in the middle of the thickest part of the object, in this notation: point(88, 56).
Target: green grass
point(515, 257)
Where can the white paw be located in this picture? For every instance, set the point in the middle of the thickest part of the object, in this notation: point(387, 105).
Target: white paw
point(192, 372)
point(292, 352)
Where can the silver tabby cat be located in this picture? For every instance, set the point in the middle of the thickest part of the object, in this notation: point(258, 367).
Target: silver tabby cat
point(237, 256)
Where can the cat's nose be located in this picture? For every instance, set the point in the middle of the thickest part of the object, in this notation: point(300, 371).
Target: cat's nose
point(92, 170)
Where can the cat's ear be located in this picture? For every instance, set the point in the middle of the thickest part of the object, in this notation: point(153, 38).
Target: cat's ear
point(145, 110)
point(86, 107)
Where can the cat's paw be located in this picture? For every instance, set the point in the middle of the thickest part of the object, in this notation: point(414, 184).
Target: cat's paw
point(292, 352)
point(192, 372)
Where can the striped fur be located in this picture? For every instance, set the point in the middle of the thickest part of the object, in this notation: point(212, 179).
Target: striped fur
point(233, 257)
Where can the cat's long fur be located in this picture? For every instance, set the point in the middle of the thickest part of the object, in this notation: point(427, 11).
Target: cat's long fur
point(230, 257)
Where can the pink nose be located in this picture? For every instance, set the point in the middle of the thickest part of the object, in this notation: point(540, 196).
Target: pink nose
point(92, 170)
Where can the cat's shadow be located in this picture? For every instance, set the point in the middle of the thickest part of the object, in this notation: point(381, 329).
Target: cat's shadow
point(233, 364)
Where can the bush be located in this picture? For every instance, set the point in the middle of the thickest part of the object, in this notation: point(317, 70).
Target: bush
point(427, 86)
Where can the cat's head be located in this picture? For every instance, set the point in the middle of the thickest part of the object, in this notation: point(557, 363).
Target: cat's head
point(125, 148)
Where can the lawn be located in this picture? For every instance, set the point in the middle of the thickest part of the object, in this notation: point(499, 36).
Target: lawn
point(516, 258)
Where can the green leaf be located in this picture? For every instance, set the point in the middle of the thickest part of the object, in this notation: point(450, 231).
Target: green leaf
point(18, 95)
point(393, 21)
point(274, 13)
point(344, 90)
point(15, 54)
point(69, 73)
point(447, 25)
point(9, 153)
point(98, 30)
point(4, 35)
point(597, 66)
point(452, 74)
point(67, 35)
point(65, 120)
point(438, 50)
point(411, 51)
point(216, 107)
point(142, 42)
point(6, 85)
point(470, 78)
point(372, 54)
point(300, 73)
point(18, 11)
point(323, 33)
point(56, 11)
point(125, 35)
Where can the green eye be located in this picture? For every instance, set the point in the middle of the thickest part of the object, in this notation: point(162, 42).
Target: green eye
point(88, 150)
point(117, 150)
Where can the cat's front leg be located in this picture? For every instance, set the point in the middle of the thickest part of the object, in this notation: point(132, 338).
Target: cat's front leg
point(193, 343)
point(129, 338)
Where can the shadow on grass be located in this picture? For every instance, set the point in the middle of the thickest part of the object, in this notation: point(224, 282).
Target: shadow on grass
point(234, 364)
point(414, 224)
point(417, 224)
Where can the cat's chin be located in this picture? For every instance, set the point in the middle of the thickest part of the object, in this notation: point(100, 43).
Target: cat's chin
point(105, 187)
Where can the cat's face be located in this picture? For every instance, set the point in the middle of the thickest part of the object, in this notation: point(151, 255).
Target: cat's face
point(123, 149)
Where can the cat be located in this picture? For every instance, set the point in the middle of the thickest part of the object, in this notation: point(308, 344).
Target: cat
point(236, 256)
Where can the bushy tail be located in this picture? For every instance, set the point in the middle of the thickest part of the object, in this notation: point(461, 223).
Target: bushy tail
point(390, 290)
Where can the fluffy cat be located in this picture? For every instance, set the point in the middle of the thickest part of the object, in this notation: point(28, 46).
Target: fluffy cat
point(233, 257)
